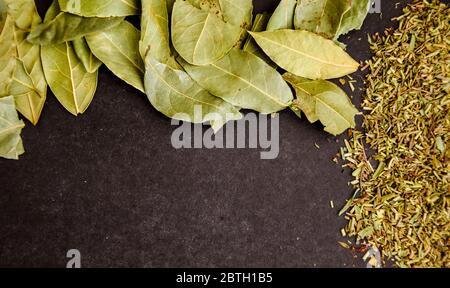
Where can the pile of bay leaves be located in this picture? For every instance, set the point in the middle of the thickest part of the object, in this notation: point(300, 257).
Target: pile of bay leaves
point(215, 57)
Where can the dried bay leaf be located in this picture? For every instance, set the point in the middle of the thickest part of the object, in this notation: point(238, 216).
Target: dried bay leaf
point(199, 36)
point(84, 53)
point(236, 12)
point(119, 53)
point(354, 18)
point(323, 100)
point(100, 8)
point(283, 17)
point(259, 24)
point(176, 95)
point(27, 83)
point(11, 146)
point(72, 85)
point(67, 27)
point(155, 35)
point(245, 81)
point(306, 54)
point(23, 12)
point(7, 54)
point(321, 16)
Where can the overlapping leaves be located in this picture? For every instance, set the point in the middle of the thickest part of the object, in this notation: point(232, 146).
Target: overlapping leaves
point(194, 59)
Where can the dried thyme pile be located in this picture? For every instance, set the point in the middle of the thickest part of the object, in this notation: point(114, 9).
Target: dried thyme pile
point(402, 202)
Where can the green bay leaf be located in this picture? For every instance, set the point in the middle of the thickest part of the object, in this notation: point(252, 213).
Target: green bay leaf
point(283, 17)
point(245, 81)
point(323, 101)
point(11, 146)
point(84, 53)
point(173, 93)
point(118, 49)
point(306, 54)
point(100, 8)
point(199, 36)
point(72, 85)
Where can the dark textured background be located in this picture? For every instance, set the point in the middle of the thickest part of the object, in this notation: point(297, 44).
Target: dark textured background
point(110, 184)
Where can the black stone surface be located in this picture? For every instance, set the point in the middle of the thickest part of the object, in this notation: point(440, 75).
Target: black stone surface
point(110, 184)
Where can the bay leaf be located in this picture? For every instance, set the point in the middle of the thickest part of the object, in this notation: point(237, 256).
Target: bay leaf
point(72, 85)
point(155, 36)
point(100, 8)
point(7, 54)
point(24, 13)
point(236, 12)
point(243, 80)
point(28, 84)
point(323, 100)
point(201, 37)
point(28, 100)
point(283, 17)
point(11, 146)
point(321, 16)
point(354, 18)
point(67, 27)
point(173, 93)
point(259, 24)
point(119, 53)
point(306, 54)
point(84, 53)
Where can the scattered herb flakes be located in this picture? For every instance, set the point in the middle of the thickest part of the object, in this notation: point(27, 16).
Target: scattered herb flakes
point(403, 207)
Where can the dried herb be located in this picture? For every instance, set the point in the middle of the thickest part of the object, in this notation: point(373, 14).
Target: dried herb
point(403, 202)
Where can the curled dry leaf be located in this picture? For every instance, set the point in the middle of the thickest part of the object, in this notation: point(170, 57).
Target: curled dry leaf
point(120, 54)
point(11, 146)
point(324, 101)
point(306, 54)
point(72, 85)
point(84, 54)
point(244, 80)
point(100, 8)
point(283, 17)
point(199, 36)
point(176, 95)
